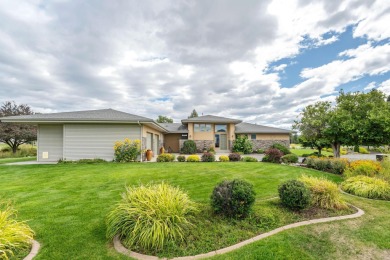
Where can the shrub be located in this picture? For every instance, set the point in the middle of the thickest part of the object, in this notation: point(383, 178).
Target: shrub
point(233, 198)
point(290, 158)
point(294, 194)
point(165, 157)
point(151, 216)
point(193, 158)
point(338, 166)
point(273, 155)
point(368, 187)
point(343, 151)
point(281, 148)
point(242, 144)
point(14, 235)
point(330, 150)
point(265, 158)
point(208, 157)
point(249, 159)
point(189, 147)
point(363, 150)
point(385, 172)
point(363, 167)
point(127, 150)
point(223, 158)
point(181, 158)
point(324, 193)
point(234, 157)
point(260, 151)
point(322, 164)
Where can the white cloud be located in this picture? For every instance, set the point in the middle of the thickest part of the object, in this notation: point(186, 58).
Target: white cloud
point(385, 87)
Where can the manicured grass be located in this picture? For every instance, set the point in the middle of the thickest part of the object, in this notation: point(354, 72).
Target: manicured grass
point(66, 205)
point(300, 152)
point(21, 159)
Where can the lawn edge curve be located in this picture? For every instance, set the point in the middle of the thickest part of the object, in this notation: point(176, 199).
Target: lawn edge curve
point(121, 249)
point(34, 250)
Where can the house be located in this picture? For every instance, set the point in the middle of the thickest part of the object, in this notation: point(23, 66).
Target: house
point(92, 134)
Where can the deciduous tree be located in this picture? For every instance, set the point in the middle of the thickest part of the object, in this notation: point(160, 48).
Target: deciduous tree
point(164, 119)
point(16, 134)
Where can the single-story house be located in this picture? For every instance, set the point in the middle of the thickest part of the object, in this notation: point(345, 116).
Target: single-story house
point(92, 134)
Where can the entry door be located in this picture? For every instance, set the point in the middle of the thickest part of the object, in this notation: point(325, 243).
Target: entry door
point(222, 141)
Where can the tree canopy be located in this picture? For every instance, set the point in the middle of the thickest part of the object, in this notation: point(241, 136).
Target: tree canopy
point(164, 119)
point(356, 119)
point(193, 114)
point(16, 134)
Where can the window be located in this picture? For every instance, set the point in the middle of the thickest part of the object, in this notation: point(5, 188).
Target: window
point(220, 128)
point(202, 128)
point(253, 136)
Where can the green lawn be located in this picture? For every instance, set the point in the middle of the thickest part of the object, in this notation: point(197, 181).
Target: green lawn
point(300, 152)
point(66, 206)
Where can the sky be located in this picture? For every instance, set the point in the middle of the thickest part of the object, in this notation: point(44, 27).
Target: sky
point(258, 61)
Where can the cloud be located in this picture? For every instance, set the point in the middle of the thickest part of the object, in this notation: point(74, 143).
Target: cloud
point(164, 57)
point(385, 87)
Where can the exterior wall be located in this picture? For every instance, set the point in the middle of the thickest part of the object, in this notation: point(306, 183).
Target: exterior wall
point(172, 142)
point(200, 144)
point(145, 131)
point(204, 135)
point(264, 141)
point(50, 143)
point(190, 131)
point(89, 141)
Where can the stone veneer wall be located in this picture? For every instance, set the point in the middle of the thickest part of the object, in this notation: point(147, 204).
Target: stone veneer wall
point(200, 144)
point(265, 144)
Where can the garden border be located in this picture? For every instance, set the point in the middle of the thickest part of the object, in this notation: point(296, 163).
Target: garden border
point(121, 249)
point(34, 250)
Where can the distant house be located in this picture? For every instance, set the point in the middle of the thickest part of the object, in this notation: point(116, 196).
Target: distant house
point(92, 134)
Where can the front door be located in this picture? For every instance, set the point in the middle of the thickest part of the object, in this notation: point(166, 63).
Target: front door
point(221, 141)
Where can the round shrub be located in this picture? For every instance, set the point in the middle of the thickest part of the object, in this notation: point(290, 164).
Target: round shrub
point(273, 155)
point(208, 157)
point(290, 158)
point(189, 147)
point(294, 194)
point(223, 158)
point(281, 148)
point(165, 157)
point(367, 187)
point(249, 159)
point(150, 216)
point(233, 198)
point(193, 158)
point(181, 158)
point(234, 157)
point(363, 150)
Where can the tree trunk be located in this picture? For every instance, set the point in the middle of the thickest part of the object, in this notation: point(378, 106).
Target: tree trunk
point(336, 150)
point(14, 149)
point(319, 150)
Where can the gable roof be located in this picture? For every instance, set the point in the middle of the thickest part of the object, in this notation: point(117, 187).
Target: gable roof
point(102, 115)
point(247, 128)
point(210, 119)
point(176, 128)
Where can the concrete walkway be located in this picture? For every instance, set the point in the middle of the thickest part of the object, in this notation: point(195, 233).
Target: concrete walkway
point(29, 163)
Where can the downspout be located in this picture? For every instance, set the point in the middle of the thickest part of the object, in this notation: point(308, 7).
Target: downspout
point(141, 138)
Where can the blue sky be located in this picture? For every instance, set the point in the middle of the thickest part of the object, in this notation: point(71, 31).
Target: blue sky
point(258, 61)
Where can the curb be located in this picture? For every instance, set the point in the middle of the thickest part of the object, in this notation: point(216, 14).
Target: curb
point(121, 249)
point(34, 250)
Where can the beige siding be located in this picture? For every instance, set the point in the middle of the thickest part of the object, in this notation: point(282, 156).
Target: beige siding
point(204, 135)
point(50, 140)
point(272, 137)
point(89, 141)
point(191, 131)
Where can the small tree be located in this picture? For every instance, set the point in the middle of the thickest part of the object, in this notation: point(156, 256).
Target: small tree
point(193, 114)
point(164, 119)
point(16, 134)
point(242, 144)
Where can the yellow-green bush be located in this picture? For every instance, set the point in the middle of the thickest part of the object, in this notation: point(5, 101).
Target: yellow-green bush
point(127, 150)
point(363, 167)
point(151, 216)
point(14, 235)
point(368, 187)
point(193, 158)
point(324, 193)
point(363, 150)
point(165, 157)
point(223, 158)
point(385, 172)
